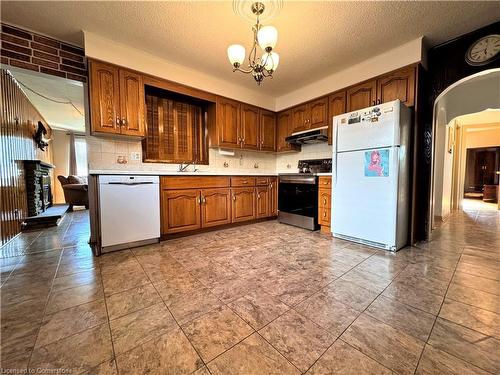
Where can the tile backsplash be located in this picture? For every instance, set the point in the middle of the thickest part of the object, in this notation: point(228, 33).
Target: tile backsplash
point(287, 163)
point(104, 153)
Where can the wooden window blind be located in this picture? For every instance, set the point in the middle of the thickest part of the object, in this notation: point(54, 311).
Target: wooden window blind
point(175, 131)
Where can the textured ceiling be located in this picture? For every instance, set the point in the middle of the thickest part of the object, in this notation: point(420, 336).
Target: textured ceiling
point(57, 115)
point(315, 38)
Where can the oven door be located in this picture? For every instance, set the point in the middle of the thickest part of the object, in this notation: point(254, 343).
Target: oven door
point(298, 201)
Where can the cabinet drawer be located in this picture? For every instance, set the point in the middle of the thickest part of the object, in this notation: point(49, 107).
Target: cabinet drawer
point(324, 216)
point(242, 181)
point(262, 181)
point(325, 199)
point(325, 182)
point(193, 182)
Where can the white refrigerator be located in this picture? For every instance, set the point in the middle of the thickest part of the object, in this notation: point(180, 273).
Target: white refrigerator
point(370, 190)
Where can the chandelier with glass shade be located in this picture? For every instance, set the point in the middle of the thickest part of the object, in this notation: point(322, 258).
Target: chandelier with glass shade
point(265, 63)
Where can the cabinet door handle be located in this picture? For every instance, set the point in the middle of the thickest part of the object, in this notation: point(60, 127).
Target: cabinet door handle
point(373, 102)
point(324, 213)
point(118, 121)
point(234, 198)
point(203, 199)
point(124, 121)
point(379, 101)
point(198, 200)
point(258, 196)
point(324, 200)
point(244, 182)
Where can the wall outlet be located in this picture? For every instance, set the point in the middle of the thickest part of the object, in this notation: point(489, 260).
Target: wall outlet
point(136, 156)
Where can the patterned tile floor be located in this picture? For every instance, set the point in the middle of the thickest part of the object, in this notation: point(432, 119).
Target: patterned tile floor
point(259, 299)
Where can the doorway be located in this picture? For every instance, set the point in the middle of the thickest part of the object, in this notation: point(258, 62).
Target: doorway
point(481, 179)
point(466, 117)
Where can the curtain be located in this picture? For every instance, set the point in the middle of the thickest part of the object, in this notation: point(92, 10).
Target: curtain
point(81, 155)
point(77, 155)
point(72, 155)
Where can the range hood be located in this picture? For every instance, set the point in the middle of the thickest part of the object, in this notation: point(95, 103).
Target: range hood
point(318, 135)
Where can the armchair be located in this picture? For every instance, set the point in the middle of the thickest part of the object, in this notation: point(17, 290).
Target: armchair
point(75, 190)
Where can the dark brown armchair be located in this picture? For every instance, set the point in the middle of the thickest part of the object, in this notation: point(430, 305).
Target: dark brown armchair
point(75, 191)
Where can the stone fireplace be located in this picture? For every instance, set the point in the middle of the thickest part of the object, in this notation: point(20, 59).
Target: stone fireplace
point(38, 186)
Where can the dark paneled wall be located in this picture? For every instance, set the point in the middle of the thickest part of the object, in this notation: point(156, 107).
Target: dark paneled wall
point(446, 65)
point(18, 121)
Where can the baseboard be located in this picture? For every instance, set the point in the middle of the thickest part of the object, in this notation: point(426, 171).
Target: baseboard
point(166, 237)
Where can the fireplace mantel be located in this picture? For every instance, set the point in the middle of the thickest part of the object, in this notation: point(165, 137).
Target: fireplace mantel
point(38, 186)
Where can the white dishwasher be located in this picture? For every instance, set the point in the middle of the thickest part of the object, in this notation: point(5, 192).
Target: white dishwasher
point(129, 211)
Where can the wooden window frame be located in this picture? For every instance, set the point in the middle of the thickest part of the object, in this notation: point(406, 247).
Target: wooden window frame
point(200, 146)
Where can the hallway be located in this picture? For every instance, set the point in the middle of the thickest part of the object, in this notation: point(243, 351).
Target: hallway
point(215, 303)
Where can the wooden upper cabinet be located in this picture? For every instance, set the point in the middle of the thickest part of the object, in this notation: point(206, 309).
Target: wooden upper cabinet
point(228, 123)
point(284, 128)
point(318, 113)
point(104, 98)
point(263, 206)
point(267, 130)
point(116, 100)
point(180, 210)
point(299, 118)
point(215, 207)
point(243, 204)
point(131, 103)
point(250, 120)
point(361, 96)
point(397, 85)
point(336, 106)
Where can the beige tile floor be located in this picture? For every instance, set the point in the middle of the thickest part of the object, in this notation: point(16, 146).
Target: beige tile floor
point(258, 299)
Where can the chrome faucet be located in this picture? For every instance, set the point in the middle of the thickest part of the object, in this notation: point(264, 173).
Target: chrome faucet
point(183, 168)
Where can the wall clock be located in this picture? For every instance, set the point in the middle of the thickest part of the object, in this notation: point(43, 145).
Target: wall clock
point(483, 50)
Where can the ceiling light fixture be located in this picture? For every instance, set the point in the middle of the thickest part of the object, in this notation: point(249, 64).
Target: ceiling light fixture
point(264, 37)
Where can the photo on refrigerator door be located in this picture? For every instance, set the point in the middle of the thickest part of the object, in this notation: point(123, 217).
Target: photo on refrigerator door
point(376, 163)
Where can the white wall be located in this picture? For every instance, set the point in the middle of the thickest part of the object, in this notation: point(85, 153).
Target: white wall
point(107, 50)
point(442, 168)
point(60, 152)
point(393, 59)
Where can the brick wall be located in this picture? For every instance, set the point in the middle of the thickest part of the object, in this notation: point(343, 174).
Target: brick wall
point(29, 50)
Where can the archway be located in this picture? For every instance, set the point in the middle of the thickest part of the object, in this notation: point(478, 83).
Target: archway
point(478, 94)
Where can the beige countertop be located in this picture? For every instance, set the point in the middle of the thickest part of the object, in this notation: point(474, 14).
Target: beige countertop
point(174, 173)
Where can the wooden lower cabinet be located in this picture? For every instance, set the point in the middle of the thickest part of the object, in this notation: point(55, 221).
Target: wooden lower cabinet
point(325, 198)
point(263, 202)
point(273, 187)
point(180, 210)
point(190, 203)
point(325, 203)
point(243, 205)
point(215, 207)
point(324, 217)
